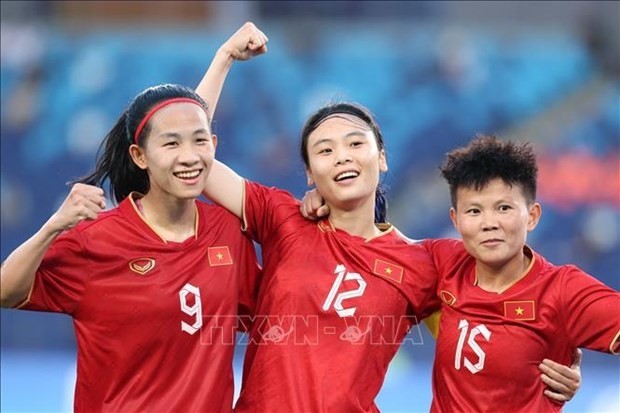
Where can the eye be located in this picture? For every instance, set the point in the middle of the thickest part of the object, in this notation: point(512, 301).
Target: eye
point(472, 211)
point(171, 144)
point(505, 208)
point(202, 141)
point(324, 151)
point(356, 143)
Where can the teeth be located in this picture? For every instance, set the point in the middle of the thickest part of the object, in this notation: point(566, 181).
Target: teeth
point(187, 175)
point(345, 175)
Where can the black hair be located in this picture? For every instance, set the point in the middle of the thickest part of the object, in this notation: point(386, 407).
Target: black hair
point(114, 162)
point(361, 113)
point(486, 158)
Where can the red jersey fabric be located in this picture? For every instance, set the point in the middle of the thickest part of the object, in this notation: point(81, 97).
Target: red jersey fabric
point(490, 345)
point(155, 320)
point(331, 312)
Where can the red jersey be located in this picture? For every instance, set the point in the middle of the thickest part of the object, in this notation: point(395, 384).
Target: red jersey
point(154, 320)
point(332, 309)
point(490, 345)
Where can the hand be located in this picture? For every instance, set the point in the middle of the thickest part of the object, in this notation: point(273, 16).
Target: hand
point(246, 43)
point(563, 382)
point(83, 202)
point(312, 206)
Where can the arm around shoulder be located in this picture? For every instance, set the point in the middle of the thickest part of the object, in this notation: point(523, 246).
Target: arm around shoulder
point(226, 188)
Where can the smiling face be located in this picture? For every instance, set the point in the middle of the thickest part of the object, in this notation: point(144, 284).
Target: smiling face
point(178, 151)
point(344, 161)
point(494, 222)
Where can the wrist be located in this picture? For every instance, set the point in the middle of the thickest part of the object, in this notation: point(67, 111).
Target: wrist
point(224, 55)
point(51, 229)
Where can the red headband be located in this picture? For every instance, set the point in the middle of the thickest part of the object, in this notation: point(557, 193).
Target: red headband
point(155, 108)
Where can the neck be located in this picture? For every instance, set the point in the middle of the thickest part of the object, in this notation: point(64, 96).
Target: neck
point(501, 277)
point(174, 219)
point(358, 221)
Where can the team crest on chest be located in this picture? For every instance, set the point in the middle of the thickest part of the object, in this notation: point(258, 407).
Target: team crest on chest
point(142, 265)
point(447, 297)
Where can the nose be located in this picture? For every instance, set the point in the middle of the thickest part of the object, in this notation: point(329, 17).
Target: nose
point(343, 157)
point(489, 221)
point(188, 155)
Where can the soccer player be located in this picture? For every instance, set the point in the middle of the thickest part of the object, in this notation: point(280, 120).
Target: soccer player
point(337, 296)
point(153, 284)
point(505, 307)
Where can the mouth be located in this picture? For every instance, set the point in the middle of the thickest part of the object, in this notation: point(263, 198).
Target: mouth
point(188, 175)
point(346, 175)
point(492, 241)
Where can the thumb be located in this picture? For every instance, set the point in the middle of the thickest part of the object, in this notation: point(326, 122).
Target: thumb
point(322, 211)
point(578, 355)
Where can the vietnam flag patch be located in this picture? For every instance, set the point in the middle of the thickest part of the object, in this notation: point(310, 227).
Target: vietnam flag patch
point(219, 256)
point(520, 310)
point(388, 270)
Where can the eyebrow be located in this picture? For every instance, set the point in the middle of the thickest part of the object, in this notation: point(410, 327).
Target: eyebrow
point(348, 135)
point(178, 135)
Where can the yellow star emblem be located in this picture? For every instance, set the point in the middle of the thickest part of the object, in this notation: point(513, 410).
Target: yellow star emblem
point(519, 311)
point(388, 270)
point(219, 256)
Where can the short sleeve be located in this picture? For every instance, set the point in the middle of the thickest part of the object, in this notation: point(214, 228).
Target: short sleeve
point(250, 278)
point(61, 278)
point(266, 210)
point(591, 311)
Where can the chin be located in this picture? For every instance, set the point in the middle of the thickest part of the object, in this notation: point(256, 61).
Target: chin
point(189, 195)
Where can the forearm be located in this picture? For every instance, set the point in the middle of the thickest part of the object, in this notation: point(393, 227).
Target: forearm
point(225, 188)
point(210, 87)
point(19, 269)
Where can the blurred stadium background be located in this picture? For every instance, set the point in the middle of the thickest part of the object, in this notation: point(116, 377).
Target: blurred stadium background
point(434, 73)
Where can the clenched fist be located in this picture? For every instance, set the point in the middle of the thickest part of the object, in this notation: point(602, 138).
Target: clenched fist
point(83, 202)
point(246, 43)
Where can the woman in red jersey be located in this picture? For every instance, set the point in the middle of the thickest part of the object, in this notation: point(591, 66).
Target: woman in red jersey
point(338, 295)
point(152, 285)
point(504, 306)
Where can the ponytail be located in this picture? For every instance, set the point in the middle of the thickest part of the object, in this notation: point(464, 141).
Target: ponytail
point(381, 205)
point(114, 165)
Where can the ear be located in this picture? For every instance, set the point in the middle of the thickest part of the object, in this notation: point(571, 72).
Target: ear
point(309, 178)
point(137, 155)
point(534, 215)
point(453, 218)
point(214, 140)
point(383, 167)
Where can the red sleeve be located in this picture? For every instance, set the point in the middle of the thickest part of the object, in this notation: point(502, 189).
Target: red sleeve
point(425, 301)
point(591, 311)
point(447, 254)
point(60, 279)
point(267, 210)
point(250, 278)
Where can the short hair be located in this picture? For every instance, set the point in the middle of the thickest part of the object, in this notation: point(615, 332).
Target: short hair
point(486, 158)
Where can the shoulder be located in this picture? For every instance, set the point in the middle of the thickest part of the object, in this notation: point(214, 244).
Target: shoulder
point(567, 277)
point(256, 190)
point(105, 218)
point(213, 211)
